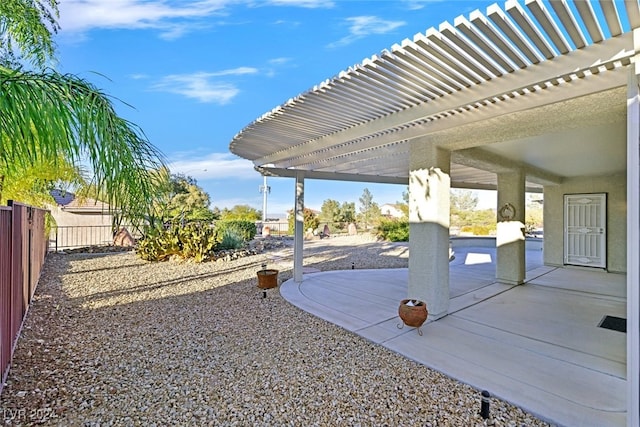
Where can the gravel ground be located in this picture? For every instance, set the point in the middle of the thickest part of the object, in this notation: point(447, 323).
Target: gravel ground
point(114, 340)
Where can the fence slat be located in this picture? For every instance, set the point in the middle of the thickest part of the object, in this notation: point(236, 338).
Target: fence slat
point(5, 292)
point(23, 247)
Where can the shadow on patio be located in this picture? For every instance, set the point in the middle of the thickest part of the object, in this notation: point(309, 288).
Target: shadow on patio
point(538, 346)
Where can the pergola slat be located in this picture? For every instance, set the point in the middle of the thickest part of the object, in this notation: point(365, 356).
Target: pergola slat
point(393, 64)
point(544, 18)
point(480, 40)
point(439, 75)
point(633, 13)
point(396, 65)
point(585, 10)
point(434, 49)
point(502, 21)
point(519, 15)
point(360, 84)
point(354, 103)
point(394, 81)
point(562, 10)
point(485, 26)
point(456, 36)
point(343, 86)
point(611, 16)
point(461, 60)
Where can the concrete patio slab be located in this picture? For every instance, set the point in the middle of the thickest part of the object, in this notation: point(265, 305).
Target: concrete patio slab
point(537, 345)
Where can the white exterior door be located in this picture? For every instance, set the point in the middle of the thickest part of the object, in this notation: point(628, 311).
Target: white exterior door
point(585, 229)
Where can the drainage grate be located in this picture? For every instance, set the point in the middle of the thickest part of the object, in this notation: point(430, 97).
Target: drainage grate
point(614, 323)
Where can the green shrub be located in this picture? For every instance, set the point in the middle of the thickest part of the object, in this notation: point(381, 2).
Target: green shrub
point(311, 221)
point(393, 230)
point(479, 230)
point(483, 230)
point(230, 239)
point(243, 228)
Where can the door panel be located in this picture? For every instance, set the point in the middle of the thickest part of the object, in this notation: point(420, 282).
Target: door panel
point(585, 235)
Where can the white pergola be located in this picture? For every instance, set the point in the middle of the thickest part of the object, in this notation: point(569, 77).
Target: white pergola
point(472, 103)
point(495, 74)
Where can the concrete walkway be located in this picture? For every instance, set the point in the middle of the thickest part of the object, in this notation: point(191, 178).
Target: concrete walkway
point(537, 346)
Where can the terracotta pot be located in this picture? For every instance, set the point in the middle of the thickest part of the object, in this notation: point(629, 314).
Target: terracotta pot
point(413, 315)
point(267, 279)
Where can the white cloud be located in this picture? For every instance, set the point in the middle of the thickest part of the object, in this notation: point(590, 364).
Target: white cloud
point(236, 71)
point(419, 4)
point(363, 26)
point(214, 166)
point(276, 64)
point(310, 4)
point(171, 19)
point(279, 61)
point(204, 86)
point(139, 76)
point(83, 15)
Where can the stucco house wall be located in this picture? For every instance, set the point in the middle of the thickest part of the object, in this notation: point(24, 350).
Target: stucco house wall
point(615, 186)
point(391, 211)
point(65, 218)
point(79, 222)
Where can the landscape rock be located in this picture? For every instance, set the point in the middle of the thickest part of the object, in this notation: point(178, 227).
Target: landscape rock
point(178, 343)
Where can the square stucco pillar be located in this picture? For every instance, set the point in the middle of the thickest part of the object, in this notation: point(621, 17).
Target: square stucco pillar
point(633, 238)
point(429, 198)
point(510, 239)
point(298, 231)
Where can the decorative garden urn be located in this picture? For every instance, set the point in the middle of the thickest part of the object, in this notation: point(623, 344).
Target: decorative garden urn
point(267, 278)
point(413, 313)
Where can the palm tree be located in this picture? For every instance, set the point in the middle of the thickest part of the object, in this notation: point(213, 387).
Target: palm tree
point(46, 116)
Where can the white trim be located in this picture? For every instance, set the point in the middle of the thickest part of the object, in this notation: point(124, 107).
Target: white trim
point(633, 243)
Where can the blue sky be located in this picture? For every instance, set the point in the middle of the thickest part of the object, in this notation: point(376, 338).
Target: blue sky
point(197, 72)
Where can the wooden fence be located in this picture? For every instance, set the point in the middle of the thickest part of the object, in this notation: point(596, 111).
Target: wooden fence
point(23, 247)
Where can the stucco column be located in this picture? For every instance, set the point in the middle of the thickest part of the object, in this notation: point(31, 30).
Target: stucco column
point(298, 234)
point(633, 238)
point(429, 205)
point(510, 240)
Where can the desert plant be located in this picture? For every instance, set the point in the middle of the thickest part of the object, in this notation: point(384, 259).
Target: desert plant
point(393, 230)
point(243, 228)
point(159, 244)
point(311, 220)
point(198, 241)
point(230, 239)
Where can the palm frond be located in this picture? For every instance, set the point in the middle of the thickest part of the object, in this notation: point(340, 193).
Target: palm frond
point(47, 114)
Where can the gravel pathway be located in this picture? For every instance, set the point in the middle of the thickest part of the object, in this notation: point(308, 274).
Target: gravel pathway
point(114, 340)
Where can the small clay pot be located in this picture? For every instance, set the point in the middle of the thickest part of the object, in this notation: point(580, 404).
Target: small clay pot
point(414, 315)
point(267, 279)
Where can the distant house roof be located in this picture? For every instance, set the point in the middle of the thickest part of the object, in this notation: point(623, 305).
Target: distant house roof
point(68, 201)
point(62, 197)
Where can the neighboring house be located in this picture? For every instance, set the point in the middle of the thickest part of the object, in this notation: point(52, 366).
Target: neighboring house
point(520, 99)
point(79, 221)
point(277, 225)
point(391, 210)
